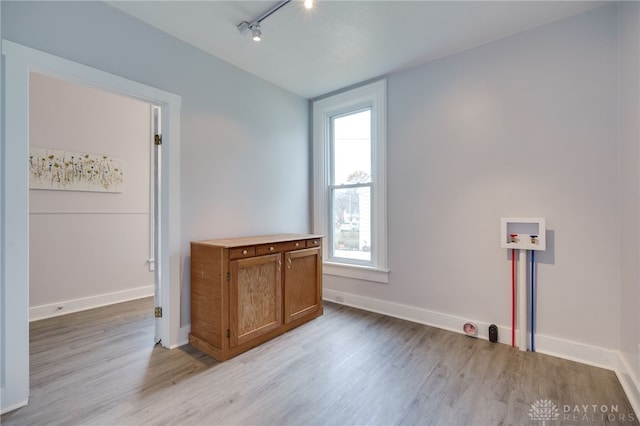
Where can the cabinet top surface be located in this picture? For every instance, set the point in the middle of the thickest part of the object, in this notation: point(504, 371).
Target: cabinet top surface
point(262, 239)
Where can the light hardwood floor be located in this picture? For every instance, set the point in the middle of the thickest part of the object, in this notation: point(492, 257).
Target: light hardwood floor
point(348, 367)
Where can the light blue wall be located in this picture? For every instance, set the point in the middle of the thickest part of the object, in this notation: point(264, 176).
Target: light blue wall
point(2, 297)
point(629, 33)
point(244, 142)
point(525, 126)
point(245, 154)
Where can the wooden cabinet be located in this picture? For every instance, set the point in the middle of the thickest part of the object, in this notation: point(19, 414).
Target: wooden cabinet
point(255, 297)
point(302, 276)
point(245, 291)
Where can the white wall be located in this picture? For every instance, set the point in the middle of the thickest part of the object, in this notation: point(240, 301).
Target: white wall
point(523, 126)
point(629, 68)
point(86, 245)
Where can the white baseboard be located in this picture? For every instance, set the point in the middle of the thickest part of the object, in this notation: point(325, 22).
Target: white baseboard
point(630, 384)
point(183, 336)
point(415, 314)
point(574, 351)
point(7, 407)
point(579, 352)
point(82, 304)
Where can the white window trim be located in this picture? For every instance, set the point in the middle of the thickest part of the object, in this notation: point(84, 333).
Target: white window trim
point(371, 95)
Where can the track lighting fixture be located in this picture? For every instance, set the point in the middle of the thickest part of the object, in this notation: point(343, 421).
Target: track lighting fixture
point(256, 32)
point(254, 25)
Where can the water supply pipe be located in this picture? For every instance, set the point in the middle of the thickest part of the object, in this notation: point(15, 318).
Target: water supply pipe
point(522, 298)
point(533, 304)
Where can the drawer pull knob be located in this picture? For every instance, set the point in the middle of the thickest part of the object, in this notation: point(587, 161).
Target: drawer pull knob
point(271, 248)
point(244, 252)
point(297, 244)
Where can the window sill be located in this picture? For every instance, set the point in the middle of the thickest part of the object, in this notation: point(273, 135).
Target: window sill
point(355, 271)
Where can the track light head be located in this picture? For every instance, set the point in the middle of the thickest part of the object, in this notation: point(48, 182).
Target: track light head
point(256, 32)
point(254, 25)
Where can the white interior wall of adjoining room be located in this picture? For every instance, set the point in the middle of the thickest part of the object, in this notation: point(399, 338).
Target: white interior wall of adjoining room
point(89, 248)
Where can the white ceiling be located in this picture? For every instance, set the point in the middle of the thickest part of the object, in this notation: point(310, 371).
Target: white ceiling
point(340, 43)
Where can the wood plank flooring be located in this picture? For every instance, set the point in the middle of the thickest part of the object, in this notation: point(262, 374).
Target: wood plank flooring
point(348, 367)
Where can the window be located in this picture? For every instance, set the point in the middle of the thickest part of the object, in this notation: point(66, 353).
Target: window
point(350, 187)
point(350, 181)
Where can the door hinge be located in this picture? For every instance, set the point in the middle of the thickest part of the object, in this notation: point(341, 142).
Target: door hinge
point(157, 139)
point(228, 276)
point(158, 312)
point(228, 332)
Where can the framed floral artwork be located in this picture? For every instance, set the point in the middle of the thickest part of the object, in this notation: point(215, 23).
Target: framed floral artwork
point(74, 171)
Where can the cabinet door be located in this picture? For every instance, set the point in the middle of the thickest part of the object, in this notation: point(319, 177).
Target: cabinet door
point(302, 283)
point(255, 297)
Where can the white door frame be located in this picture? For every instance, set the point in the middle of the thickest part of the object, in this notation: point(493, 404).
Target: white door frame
point(14, 216)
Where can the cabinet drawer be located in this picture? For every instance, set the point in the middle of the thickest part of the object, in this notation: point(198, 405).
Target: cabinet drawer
point(279, 247)
point(240, 252)
point(316, 242)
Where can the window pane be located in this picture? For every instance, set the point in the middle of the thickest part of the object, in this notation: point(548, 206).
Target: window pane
point(352, 148)
point(351, 218)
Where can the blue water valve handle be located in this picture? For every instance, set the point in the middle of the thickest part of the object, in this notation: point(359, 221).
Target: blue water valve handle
point(533, 238)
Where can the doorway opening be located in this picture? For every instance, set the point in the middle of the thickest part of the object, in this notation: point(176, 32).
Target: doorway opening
point(93, 178)
point(19, 62)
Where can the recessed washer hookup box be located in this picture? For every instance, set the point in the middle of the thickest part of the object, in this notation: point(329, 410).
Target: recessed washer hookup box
point(528, 233)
